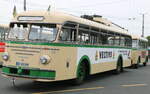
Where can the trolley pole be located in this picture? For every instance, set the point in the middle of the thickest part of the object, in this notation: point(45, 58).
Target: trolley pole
point(25, 5)
point(143, 18)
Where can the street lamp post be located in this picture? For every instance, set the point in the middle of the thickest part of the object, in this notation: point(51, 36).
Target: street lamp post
point(143, 18)
point(25, 5)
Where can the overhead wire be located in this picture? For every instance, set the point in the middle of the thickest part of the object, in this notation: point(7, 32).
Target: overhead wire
point(78, 11)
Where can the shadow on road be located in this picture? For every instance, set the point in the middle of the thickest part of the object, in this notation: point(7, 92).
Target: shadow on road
point(32, 87)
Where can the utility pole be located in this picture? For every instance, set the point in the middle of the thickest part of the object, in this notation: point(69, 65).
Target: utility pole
point(25, 5)
point(143, 18)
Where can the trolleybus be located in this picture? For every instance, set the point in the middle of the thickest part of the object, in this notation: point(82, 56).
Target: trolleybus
point(53, 46)
point(140, 51)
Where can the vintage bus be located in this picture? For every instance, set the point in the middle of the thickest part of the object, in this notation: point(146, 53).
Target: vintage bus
point(3, 31)
point(53, 46)
point(140, 51)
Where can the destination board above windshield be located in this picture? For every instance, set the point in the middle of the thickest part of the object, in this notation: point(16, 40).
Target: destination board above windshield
point(30, 18)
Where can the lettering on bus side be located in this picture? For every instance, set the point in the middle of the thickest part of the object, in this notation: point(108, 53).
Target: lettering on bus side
point(103, 55)
point(124, 52)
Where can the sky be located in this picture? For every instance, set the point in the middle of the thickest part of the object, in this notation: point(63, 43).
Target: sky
point(126, 13)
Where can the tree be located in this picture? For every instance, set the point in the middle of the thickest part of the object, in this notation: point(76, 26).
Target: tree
point(148, 37)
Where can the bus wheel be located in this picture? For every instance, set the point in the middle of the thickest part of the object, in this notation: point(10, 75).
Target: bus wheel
point(119, 67)
point(81, 74)
point(145, 64)
point(138, 62)
point(146, 60)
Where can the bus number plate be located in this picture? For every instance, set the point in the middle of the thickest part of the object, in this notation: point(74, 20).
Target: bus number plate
point(22, 64)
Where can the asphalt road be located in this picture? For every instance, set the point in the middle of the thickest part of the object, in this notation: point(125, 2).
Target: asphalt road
point(131, 81)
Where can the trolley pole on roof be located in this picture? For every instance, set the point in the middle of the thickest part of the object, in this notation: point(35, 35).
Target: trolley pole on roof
point(25, 5)
point(143, 18)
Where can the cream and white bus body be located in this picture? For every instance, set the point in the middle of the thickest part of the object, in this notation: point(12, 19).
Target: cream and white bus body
point(139, 51)
point(52, 46)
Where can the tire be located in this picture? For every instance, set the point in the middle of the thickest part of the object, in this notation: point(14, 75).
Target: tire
point(145, 64)
point(81, 74)
point(137, 65)
point(119, 68)
point(146, 60)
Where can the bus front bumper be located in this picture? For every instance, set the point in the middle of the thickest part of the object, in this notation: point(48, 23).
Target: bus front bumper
point(30, 73)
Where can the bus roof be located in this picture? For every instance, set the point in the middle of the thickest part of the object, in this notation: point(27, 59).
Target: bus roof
point(135, 37)
point(61, 17)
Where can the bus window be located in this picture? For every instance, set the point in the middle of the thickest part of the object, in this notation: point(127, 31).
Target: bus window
point(68, 35)
point(42, 33)
point(83, 37)
point(134, 43)
point(128, 41)
point(94, 36)
point(117, 40)
point(18, 32)
point(122, 41)
point(64, 35)
point(111, 40)
point(68, 32)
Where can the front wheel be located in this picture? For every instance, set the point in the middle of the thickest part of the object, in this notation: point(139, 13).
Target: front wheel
point(81, 74)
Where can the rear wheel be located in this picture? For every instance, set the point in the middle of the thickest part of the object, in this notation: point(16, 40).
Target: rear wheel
point(138, 63)
point(146, 60)
point(145, 64)
point(119, 68)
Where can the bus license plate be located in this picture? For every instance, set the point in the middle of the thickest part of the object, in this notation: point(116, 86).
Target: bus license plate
point(22, 64)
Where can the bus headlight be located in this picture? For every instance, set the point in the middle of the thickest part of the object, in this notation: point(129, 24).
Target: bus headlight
point(5, 56)
point(44, 59)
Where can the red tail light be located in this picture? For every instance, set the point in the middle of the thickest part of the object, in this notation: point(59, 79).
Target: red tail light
point(2, 47)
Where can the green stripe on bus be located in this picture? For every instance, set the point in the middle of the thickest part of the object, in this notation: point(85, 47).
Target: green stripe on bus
point(5, 69)
point(139, 49)
point(38, 73)
point(65, 45)
point(32, 73)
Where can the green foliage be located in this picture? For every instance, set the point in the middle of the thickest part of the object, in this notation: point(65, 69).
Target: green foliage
point(148, 37)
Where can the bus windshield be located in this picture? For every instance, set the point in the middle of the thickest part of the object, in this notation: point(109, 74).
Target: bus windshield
point(18, 32)
point(33, 32)
point(42, 33)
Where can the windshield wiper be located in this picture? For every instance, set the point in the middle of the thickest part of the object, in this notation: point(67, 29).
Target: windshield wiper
point(39, 39)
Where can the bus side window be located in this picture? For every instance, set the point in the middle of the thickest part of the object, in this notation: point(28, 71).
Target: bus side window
point(68, 32)
point(122, 41)
point(110, 40)
point(83, 37)
point(68, 35)
point(73, 33)
point(64, 35)
point(128, 42)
